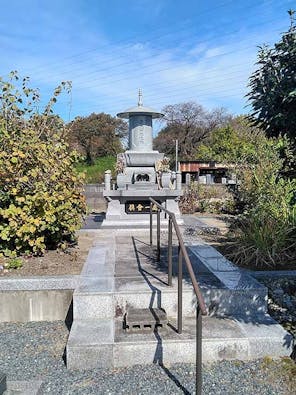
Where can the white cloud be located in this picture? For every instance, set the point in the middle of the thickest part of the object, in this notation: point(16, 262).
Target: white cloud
point(197, 49)
point(212, 72)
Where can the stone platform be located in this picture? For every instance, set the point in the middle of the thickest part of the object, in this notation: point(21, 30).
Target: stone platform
point(32, 387)
point(118, 218)
point(121, 273)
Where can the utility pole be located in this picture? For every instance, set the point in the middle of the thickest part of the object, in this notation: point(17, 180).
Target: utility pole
point(176, 141)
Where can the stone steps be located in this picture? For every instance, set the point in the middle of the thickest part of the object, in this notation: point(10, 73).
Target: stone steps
point(105, 298)
point(104, 343)
point(106, 288)
point(121, 274)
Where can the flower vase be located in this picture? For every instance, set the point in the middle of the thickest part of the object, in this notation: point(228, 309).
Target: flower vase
point(121, 181)
point(166, 179)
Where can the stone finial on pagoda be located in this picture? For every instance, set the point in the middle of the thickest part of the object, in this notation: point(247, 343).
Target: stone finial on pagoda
point(140, 125)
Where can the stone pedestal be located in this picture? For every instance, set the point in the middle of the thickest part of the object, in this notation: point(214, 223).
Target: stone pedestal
point(123, 207)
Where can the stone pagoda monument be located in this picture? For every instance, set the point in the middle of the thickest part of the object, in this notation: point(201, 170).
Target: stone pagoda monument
point(141, 173)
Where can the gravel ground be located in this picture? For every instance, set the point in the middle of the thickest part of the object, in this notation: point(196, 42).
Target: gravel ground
point(34, 351)
point(282, 300)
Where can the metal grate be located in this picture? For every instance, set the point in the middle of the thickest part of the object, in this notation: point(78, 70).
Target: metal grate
point(145, 320)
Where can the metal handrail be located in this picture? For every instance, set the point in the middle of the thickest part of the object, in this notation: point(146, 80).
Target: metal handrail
point(201, 307)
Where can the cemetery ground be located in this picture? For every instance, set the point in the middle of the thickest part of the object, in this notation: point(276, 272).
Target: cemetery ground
point(35, 351)
point(61, 261)
point(55, 262)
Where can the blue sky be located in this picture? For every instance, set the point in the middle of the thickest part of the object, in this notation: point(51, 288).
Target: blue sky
point(175, 51)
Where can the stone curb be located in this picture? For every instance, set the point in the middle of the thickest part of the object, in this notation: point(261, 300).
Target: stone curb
point(32, 387)
point(37, 283)
point(272, 273)
point(3, 383)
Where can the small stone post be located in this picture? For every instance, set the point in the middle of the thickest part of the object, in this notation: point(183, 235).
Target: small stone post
point(107, 180)
point(173, 180)
point(178, 180)
point(188, 179)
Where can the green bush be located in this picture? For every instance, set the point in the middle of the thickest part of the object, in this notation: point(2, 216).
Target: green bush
point(263, 239)
point(189, 200)
point(40, 192)
point(237, 142)
point(14, 263)
point(95, 173)
point(213, 199)
point(266, 232)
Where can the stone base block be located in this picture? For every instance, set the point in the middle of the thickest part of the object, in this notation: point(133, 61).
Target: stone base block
point(165, 300)
point(223, 339)
point(26, 306)
point(93, 306)
point(90, 344)
point(266, 337)
point(32, 387)
point(117, 217)
point(234, 329)
point(224, 302)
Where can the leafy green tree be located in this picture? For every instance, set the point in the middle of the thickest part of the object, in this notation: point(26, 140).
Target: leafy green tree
point(273, 86)
point(241, 143)
point(97, 135)
point(41, 201)
point(190, 123)
point(266, 229)
point(237, 142)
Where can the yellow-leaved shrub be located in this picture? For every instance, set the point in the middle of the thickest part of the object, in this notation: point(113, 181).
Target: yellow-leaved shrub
point(41, 200)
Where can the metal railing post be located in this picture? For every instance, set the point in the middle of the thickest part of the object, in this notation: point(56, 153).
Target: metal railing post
point(198, 384)
point(201, 307)
point(158, 235)
point(170, 252)
point(180, 278)
point(151, 222)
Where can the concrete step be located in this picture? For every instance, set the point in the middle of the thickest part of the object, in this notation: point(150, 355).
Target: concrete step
point(32, 387)
point(112, 281)
point(105, 298)
point(121, 273)
point(90, 344)
point(104, 343)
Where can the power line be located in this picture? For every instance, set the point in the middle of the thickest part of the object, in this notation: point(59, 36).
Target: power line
point(156, 36)
point(210, 90)
point(161, 100)
point(223, 94)
point(216, 96)
point(174, 87)
point(200, 42)
point(121, 64)
point(185, 85)
point(189, 85)
point(89, 83)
